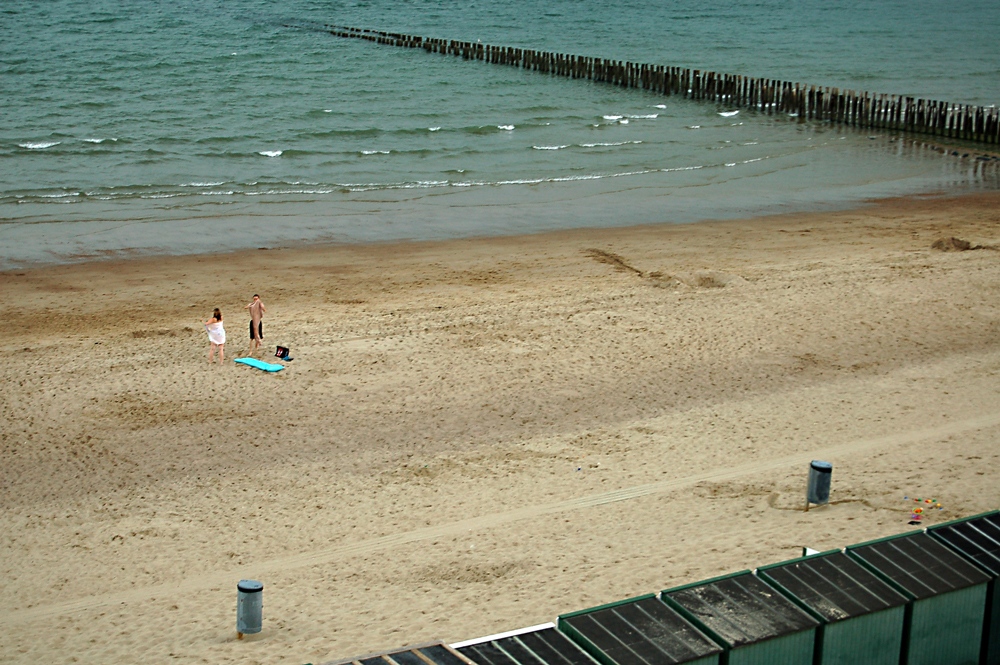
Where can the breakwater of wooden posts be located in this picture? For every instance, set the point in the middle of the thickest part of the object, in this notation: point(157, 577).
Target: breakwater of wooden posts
point(806, 102)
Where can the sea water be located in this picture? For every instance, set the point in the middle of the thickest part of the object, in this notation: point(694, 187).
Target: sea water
point(138, 126)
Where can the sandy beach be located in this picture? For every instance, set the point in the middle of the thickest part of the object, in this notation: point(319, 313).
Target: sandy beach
point(478, 435)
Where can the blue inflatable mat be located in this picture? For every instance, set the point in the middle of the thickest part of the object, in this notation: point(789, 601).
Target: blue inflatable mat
point(260, 364)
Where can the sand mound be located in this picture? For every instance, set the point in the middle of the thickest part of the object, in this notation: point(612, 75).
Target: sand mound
point(952, 245)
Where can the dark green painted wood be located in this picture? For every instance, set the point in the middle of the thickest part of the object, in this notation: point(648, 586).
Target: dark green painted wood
point(947, 629)
point(872, 639)
point(794, 649)
point(976, 538)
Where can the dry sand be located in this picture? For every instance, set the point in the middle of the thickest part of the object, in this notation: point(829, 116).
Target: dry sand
point(478, 435)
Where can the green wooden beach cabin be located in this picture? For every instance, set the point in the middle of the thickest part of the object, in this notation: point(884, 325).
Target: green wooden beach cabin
point(639, 631)
point(863, 615)
point(978, 539)
point(754, 622)
point(537, 645)
point(947, 597)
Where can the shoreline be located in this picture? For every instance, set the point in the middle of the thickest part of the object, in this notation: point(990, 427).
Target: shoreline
point(79, 233)
point(432, 463)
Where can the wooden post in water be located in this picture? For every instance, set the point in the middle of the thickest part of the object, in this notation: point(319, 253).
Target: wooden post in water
point(859, 109)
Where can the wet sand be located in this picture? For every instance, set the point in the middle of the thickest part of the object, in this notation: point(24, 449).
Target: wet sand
point(478, 435)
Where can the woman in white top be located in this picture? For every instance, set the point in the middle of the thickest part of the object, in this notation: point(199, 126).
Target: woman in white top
point(216, 336)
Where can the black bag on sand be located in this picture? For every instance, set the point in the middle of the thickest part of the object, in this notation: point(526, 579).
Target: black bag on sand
point(282, 353)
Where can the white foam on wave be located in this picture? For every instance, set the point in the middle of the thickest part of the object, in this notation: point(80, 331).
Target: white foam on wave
point(549, 147)
point(98, 140)
point(434, 129)
point(327, 110)
point(612, 117)
point(694, 126)
point(661, 106)
point(425, 184)
point(62, 195)
point(270, 153)
point(623, 121)
point(289, 191)
point(375, 152)
point(506, 128)
point(607, 144)
point(39, 146)
point(728, 114)
point(682, 168)
point(202, 184)
point(649, 116)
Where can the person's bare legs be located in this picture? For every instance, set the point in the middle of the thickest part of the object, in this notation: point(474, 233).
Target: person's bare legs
point(222, 353)
point(211, 352)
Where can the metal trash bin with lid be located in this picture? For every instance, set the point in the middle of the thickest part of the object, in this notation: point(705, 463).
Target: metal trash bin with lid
point(535, 645)
point(639, 631)
point(752, 621)
point(862, 614)
point(818, 487)
point(249, 607)
point(977, 538)
point(947, 596)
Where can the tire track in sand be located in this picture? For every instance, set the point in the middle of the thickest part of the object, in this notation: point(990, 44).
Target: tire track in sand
point(324, 556)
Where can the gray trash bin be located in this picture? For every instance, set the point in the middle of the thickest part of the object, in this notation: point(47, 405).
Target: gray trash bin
point(819, 483)
point(249, 606)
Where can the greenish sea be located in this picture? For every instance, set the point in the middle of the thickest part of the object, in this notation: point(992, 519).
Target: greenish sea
point(140, 127)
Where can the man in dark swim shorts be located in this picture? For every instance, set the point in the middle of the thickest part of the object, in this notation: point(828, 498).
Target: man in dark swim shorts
point(257, 310)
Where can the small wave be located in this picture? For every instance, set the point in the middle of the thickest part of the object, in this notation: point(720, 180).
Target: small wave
point(694, 126)
point(375, 152)
point(623, 121)
point(608, 144)
point(650, 116)
point(270, 153)
point(98, 140)
point(612, 117)
point(284, 192)
point(39, 146)
point(682, 168)
point(549, 147)
point(661, 106)
point(731, 164)
point(202, 184)
point(327, 110)
point(506, 128)
point(59, 196)
point(434, 129)
point(728, 114)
